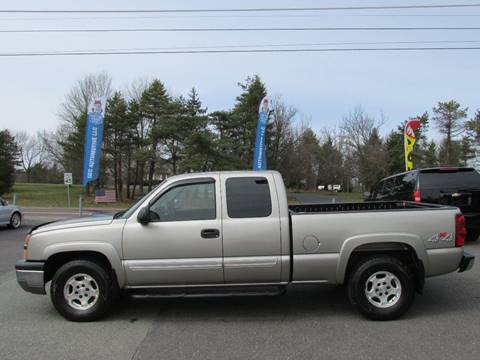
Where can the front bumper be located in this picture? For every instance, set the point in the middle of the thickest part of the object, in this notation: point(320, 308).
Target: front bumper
point(467, 262)
point(30, 276)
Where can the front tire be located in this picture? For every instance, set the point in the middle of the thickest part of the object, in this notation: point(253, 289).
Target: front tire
point(382, 288)
point(82, 290)
point(15, 220)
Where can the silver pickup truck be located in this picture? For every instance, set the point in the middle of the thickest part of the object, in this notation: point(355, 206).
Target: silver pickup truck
point(233, 233)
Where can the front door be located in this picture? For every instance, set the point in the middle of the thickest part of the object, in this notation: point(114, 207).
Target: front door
point(182, 245)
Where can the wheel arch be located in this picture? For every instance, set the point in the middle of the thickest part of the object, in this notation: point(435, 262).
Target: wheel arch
point(404, 247)
point(104, 255)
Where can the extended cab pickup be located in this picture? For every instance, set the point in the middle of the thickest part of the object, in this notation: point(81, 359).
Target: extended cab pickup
point(233, 233)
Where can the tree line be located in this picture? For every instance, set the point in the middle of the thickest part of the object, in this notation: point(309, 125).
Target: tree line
point(151, 133)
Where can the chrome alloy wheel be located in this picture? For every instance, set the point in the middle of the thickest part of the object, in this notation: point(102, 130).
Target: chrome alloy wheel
point(81, 291)
point(383, 289)
point(15, 221)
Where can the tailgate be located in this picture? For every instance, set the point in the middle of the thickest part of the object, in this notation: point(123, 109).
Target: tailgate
point(463, 198)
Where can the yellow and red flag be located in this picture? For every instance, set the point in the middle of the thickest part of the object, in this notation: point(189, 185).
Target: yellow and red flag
point(409, 140)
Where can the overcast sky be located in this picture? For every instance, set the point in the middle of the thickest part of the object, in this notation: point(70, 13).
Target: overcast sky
point(323, 86)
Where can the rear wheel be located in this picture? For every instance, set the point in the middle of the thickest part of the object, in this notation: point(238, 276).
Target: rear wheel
point(15, 220)
point(82, 290)
point(382, 288)
point(473, 234)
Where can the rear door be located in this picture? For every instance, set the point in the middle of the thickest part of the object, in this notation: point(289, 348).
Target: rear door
point(251, 229)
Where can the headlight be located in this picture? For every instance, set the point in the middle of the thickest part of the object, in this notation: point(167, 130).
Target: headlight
point(25, 246)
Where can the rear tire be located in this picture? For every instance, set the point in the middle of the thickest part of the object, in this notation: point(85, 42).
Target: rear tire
point(382, 288)
point(473, 234)
point(15, 221)
point(82, 290)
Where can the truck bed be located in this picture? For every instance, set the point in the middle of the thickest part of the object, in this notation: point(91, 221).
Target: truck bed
point(364, 206)
point(323, 233)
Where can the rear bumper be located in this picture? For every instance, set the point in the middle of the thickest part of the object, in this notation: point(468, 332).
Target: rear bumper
point(466, 263)
point(30, 276)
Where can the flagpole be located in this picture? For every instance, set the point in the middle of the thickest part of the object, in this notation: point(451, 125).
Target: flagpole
point(405, 146)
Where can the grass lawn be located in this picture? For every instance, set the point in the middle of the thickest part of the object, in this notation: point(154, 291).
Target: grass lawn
point(55, 195)
point(349, 197)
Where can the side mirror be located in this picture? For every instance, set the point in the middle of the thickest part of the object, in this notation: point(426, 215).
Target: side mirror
point(366, 194)
point(143, 216)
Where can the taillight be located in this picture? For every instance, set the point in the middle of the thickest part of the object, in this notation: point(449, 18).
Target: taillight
point(460, 230)
point(417, 197)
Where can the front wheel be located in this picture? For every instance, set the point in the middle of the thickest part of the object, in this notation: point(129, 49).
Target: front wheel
point(82, 290)
point(15, 220)
point(382, 288)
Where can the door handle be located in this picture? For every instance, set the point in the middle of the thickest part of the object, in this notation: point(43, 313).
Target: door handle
point(210, 233)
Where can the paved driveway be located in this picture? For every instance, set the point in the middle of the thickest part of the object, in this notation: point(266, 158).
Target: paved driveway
point(306, 323)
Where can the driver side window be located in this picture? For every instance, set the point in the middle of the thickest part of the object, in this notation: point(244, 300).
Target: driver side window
point(186, 202)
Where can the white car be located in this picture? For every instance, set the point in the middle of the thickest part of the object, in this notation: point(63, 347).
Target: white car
point(10, 215)
point(335, 187)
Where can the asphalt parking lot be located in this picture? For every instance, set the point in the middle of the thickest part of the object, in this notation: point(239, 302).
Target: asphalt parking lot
point(305, 323)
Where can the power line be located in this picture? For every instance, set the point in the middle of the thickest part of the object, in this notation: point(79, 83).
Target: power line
point(253, 46)
point(235, 51)
point(228, 16)
point(240, 29)
point(330, 8)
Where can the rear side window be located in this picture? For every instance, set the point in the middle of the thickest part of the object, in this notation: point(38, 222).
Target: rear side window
point(248, 197)
point(450, 179)
point(406, 182)
point(388, 186)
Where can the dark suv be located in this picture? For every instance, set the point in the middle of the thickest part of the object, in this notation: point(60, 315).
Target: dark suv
point(456, 186)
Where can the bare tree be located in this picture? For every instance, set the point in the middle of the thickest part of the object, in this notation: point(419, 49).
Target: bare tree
point(135, 90)
point(30, 151)
point(361, 144)
point(281, 131)
point(87, 88)
point(357, 128)
point(51, 145)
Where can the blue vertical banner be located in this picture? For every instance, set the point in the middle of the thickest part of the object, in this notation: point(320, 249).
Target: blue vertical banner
point(260, 153)
point(93, 140)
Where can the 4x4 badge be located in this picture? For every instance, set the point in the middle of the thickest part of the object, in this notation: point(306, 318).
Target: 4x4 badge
point(442, 236)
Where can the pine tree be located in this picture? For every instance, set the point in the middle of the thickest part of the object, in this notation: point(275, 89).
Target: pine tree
point(117, 138)
point(8, 161)
point(450, 120)
point(155, 106)
point(198, 153)
point(244, 117)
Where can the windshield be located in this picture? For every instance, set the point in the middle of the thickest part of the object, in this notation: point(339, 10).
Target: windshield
point(127, 213)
